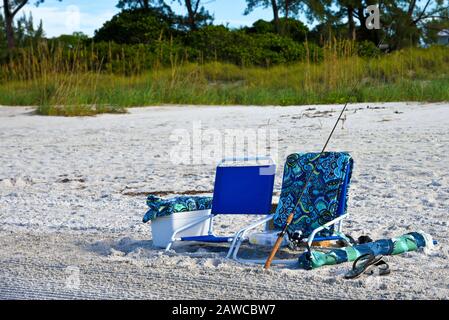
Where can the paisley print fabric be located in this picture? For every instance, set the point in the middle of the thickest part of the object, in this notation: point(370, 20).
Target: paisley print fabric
point(320, 202)
point(160, 207)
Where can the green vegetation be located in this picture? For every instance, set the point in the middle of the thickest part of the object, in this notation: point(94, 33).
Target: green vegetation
point(148, 55)
point(341, 75)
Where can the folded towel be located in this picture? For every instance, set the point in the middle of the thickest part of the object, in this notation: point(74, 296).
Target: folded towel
point(160, 207)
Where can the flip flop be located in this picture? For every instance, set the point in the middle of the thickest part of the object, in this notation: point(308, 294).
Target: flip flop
point(364, 264)
point(383, 268)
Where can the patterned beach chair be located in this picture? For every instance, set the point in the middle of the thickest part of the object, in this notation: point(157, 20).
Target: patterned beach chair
point(322, 208)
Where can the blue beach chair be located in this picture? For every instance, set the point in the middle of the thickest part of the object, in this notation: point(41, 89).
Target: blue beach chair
point(322, 208)
point(239, 190)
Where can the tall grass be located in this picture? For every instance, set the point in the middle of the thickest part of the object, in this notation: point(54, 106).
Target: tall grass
point(78, 83)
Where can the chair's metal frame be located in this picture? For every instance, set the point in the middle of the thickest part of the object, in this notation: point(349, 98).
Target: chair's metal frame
point(211, 234)
point(241, 236)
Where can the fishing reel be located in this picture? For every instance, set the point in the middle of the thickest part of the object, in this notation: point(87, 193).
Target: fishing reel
point(295, 240)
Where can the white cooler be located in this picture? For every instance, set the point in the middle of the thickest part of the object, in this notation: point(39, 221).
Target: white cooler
point(162, 228)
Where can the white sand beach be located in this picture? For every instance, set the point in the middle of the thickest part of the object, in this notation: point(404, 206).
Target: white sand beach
point(73, 190)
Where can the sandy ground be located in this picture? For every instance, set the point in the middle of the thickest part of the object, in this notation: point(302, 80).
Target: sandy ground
point(72, 196)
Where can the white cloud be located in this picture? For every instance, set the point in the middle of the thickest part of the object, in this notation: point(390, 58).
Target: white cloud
point(67, 19)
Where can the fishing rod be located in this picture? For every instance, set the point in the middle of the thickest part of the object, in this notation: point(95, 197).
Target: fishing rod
point(290, 217)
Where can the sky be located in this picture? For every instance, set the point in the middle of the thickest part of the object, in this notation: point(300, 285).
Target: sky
point(86, 16)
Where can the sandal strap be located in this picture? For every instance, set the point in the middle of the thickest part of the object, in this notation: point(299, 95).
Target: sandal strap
point(384, 267)
point(359, 268)
point(368, 256)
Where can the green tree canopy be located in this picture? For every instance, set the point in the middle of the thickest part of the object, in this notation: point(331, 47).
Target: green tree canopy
point(293, 28)
point(139, 26)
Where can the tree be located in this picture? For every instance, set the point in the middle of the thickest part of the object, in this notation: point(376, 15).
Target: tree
point(134, 26)
point(25, 32)
point(403, 21)
point(3, 42)
point(314, 9)
point(10, 10)
point(253, 4)
point(138, 4)
point(197, 15)
point(407, 19)
point(435, 25)
point(346, 9)
point(297, 31)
